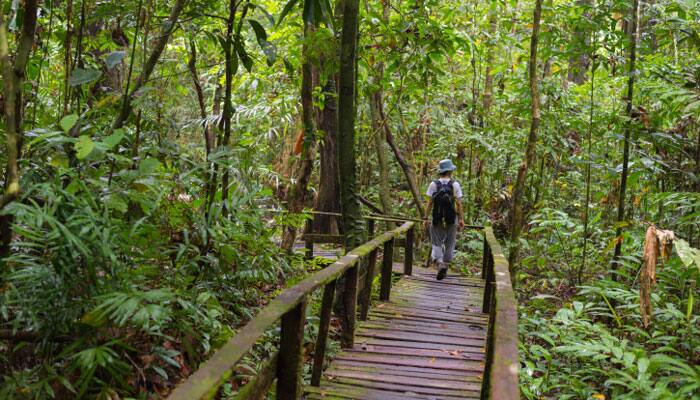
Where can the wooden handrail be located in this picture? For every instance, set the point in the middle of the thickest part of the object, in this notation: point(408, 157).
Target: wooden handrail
point(289, 307)
point(501, 375)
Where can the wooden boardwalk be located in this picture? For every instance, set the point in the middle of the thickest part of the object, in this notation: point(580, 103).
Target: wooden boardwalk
point(428, 342)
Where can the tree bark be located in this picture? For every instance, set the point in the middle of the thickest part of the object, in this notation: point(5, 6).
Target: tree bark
point(349, 202)
point(328, 199)
point(529, 157)
point(13, 77)
point(634, 33)
point(167, 29)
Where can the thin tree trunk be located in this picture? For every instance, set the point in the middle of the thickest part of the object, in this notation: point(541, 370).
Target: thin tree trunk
point(529, 157)
point(626, 142)
point(298, 193)
point(405, 166)
point(228, 106)
point(162, 40)
point(589, 145)
point(378, 132)
point(488, 79)
point(67, 65)
point(13, 77)
point(379, 143)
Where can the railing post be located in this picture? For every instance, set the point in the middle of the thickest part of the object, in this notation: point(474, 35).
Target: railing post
point(321, 340)
point(309, 245)
point(366, 294)
point(350, 303)
point(289, 363)
point(408, 253)
point(488, 275)
point(370, 228)
point(387, 263)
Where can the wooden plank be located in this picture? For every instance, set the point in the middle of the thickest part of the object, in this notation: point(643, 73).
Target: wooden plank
point(447, 352)
point(409, 370)
point(404, 388)
point(406, 380)
point(412, 361)
point(418, 345)
point(417, 337)
point(501, 380)
point(392, 370)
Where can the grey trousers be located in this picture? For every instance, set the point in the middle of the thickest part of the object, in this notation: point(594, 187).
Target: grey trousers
point(443, 238)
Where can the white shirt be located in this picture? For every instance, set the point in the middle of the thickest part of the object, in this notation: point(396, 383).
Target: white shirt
point(433, 188)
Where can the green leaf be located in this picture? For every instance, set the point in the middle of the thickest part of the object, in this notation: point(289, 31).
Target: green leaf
point(287, 8)
point(114, 58)
point(82, 76)
point(687, 254)
point(260, 33)
point(68, 122)
point(149, 165)
point(267, 47)
point(84, 147)
point(243, 56)
point(114, 139)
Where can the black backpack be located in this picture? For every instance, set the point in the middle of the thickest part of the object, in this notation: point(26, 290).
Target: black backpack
point(444, 203)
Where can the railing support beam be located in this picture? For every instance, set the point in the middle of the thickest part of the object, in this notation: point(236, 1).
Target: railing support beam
point(387, 263)
point(366, 294)
point(289, 363)
point(322, 339)
point(350, 303)
point(408, 253)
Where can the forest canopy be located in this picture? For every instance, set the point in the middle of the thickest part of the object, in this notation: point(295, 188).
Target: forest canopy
point(160, 159)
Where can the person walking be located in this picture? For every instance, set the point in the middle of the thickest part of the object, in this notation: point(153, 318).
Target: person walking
point(445, 204)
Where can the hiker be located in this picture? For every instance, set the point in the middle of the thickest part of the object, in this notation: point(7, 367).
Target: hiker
point(446, 205)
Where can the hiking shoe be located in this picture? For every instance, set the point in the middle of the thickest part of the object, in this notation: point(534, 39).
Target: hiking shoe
point(442, 271)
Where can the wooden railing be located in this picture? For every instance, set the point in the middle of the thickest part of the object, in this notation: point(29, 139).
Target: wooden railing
point(289, 307)
point(501, 375)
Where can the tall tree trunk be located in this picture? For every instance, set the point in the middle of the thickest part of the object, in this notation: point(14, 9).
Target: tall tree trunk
point(349, 199)
point(162, 40)
point(299, 191)
point(328, 199)
point(13, 77)
point(529, 157)
point(626, 142)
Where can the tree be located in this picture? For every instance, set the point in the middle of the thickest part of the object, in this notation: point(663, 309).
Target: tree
point(529, 156)
point(13, 74)
point(349, 201)
point(629, 99)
